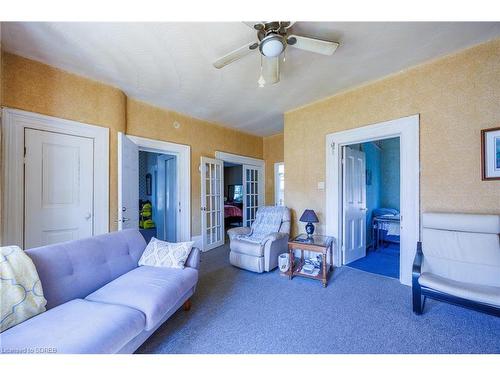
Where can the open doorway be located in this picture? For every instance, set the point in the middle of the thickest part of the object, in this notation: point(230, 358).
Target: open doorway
point(376, 168)
point(233, 195)
point(407, 130)
point(156, 174)
point(216, 194)
point(158, 195)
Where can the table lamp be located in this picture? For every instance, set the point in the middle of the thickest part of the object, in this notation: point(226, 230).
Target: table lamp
point(309, 217)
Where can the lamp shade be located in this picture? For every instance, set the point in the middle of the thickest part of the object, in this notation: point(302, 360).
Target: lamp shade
point(309, 216)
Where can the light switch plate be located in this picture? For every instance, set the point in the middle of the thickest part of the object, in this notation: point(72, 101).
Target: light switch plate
point(321, 185)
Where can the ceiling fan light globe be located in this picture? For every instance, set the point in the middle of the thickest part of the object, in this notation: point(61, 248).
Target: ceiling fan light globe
point(272, 46)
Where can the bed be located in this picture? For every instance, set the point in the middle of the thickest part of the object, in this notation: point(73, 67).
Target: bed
point(386, 224)
point(232, 211)
point(232, 214)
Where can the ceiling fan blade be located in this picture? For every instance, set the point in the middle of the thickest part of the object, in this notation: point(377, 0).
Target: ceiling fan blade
point(271, 69)
point(235, 55)
point(305, 43)
point(256, 25)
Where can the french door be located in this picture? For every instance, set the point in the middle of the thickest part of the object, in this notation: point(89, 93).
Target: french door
point(212, 203)
point(253, 192)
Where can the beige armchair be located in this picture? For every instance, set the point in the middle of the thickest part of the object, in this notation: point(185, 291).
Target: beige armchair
point(256, 250)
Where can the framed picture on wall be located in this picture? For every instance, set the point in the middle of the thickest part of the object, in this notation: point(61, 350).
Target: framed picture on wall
point(490, 154)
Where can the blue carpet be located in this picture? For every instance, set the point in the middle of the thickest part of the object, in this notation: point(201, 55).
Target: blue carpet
point(383, 261)
point(236, 311)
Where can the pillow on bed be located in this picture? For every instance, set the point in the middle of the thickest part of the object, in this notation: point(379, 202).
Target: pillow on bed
point(385, 211)
point(165, 254)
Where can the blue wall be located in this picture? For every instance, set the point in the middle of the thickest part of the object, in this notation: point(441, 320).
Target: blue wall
point(390, 173)
point(373, 196)
point(383, 165)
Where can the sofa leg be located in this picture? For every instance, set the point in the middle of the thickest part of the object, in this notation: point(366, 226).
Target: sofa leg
point(187, 305)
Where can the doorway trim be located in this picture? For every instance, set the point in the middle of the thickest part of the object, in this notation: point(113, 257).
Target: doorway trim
point(276, 183)
point(246, 160)
point(14, 121)
point(239, 159)
point(183, 153)
point(407, 129)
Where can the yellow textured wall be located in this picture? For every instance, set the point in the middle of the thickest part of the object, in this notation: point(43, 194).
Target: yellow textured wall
point(273, 153)
point(205, 138)
point(36, 87)
point(1, 151)
point(456, 97)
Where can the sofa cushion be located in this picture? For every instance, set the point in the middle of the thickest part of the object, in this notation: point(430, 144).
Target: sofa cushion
point(462, 222)
point(474, 292)
point(152, 290)
point(78, 326)
point(462, 256)
point(74, 269)
point(241, 246)
point(165, 254)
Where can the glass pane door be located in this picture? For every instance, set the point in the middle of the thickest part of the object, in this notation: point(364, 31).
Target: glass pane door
point(212, 203)
point(253, 193)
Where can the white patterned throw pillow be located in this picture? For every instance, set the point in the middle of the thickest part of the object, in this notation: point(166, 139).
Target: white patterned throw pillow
point(165, 254)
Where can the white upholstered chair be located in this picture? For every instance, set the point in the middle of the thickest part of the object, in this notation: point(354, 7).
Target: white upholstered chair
point(259, 255)
point(459, 261)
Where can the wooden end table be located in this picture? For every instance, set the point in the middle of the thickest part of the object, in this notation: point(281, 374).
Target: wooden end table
point(317, 244)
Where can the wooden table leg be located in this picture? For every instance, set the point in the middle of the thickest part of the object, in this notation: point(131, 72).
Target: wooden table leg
point(290, 263)
point(331, 257)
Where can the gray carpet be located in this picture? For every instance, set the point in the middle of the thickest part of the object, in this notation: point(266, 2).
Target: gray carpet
point(236, 311)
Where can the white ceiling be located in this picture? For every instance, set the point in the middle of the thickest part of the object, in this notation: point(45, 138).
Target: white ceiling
point(170, 64)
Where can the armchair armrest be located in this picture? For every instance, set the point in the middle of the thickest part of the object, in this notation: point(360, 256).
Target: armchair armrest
point(417, 262)
point(193, 260)
point(233, 232)
point(275, 236)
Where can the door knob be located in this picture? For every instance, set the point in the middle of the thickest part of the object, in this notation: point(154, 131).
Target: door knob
point(88, 216)
point(363, 209)
point(124, 219)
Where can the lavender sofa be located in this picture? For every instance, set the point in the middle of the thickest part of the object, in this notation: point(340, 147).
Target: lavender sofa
point(98, 299)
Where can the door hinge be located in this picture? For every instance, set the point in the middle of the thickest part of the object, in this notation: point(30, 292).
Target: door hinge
point(24, 157)
point(332, 146)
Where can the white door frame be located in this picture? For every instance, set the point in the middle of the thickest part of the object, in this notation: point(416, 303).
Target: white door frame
point(14, 121)
point(276, 182)
point(183, 153)
point(240, 159)
point(407, 129)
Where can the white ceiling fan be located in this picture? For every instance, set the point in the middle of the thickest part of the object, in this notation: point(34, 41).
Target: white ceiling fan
point(273, 39)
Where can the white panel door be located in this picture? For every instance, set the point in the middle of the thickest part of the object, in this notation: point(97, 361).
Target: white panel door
point(58, 188)
point(167, 203)
point(354, 204)
point(128, 183)
point(212, 203)
point(253, 192)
